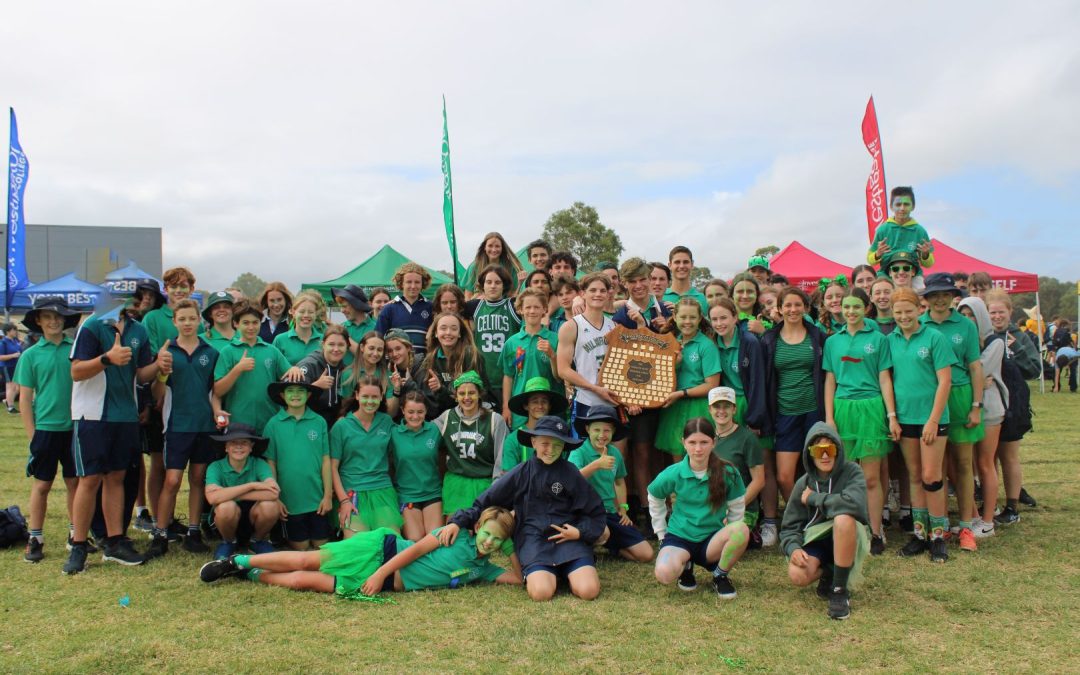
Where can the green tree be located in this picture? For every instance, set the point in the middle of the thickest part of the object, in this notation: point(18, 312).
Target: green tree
point(700, 276)
point(250, 284)
point(578, 230)
point(767, 251)
point(1058, 299)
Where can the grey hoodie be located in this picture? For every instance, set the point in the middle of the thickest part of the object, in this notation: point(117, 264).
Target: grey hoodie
point(842, 491)
point(996, 398)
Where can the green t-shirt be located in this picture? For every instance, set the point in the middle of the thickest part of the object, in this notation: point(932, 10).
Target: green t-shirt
point(692, 518)
point(515, 453)
point(915, 365)
point(217, 340)
point(857, 361)
point(297, 448)
point(294, 348)
point(416, 463)
point(109, 396)
point(187, 406)
point(363, 455)
point(160, 327)
point(729, 363)
point(962, 337)
point(700, 359)
point(493, 323)
point(603, 480)
point(521, 360)
point(46, 368)
point(673, 297)
point(795, 377)
point(452, 566)
point(222, 473)
point(357, 331)
point(742, 449)
point(906, 237)
point(248, 401)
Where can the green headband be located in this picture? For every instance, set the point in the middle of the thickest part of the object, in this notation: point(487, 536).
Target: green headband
point(469, 377)
point(839, 280)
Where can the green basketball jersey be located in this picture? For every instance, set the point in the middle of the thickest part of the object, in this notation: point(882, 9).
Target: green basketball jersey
point(493, 324)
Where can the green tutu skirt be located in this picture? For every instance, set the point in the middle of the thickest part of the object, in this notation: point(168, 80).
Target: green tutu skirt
point(375, 509)
point(351, 561)
point(459, 492)
point(863, 427)
point(862, 546)
point(764, 442)
point(674, 418)
point(959, 406)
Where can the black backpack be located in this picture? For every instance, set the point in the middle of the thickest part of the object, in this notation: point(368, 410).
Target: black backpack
point(13, 530)
point(1018, 413)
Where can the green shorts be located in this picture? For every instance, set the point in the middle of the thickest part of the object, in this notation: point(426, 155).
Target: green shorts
point(375, 509)
point(351, 561)
point(960, 398)
point(863, 427)
point(764, 442)
point(674, 418)
point(459, 492)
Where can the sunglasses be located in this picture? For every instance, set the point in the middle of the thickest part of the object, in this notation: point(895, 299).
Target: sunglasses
point(819, 450)
point(901, 268)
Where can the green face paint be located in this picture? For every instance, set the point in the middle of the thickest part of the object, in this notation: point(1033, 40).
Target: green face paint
point(853, 310)
point(295, 397)
point(735, 546)
point(486, 541)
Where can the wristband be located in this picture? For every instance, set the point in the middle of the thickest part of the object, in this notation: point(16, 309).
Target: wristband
point(976, 404)
point(892, 414)
point(625, 507)
point(163, 378)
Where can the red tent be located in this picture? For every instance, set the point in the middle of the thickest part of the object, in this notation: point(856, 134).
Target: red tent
point(803, 267)
point(948, 259)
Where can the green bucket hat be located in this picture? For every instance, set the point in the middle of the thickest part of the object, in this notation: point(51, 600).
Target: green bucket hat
point(537, 385)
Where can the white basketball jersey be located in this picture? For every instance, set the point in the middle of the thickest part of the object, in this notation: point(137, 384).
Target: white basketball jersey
point(589, 354)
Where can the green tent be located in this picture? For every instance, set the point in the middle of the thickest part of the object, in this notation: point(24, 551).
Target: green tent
point(377, 272)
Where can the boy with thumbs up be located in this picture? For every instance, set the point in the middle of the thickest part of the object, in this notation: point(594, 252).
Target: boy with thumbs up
point(602, 465)
point(184, 383)
point(108, 359)
point(244, 369)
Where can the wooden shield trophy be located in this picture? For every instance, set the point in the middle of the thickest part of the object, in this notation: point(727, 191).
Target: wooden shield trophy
point(639, 366)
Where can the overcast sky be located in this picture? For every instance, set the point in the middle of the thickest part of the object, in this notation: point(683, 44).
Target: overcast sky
point(293, 144)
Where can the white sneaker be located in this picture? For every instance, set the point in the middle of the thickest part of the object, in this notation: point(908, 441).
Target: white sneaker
point(982, 529)
point(768, 535)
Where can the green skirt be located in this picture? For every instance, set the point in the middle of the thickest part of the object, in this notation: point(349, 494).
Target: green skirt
point(351, 561)
point(674, 418)
point(959, 406)
point(459, 492)
point(375, 509)
point(764, 442)
point(863, 427)
point(862, 546)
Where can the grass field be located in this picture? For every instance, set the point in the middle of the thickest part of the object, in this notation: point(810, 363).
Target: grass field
point(1012, 606)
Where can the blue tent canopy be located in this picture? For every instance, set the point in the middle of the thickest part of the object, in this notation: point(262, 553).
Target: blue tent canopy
point(122, 281)
point(78, 293)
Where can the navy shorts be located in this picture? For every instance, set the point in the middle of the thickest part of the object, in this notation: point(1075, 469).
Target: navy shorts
point(695, 548)
point(182, 447)
point(306, 527)
point(822, 549)
point(102, 447)
point(915, 430)
point(622, 536)
point(791, 431)
point(562, 570)
point(244, 528)
point(419, 506)
point(643, 426)
point(47, 449)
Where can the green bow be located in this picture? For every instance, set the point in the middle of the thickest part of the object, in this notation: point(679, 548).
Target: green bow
point(839, 280)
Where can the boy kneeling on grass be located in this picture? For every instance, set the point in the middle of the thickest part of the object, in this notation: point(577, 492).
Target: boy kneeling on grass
point(559, 515)
point(242, 492)
point(380, 560)
point(824, 533)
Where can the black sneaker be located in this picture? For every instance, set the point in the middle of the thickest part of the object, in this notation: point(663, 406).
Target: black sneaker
point(724, 588)
point(193, 543)
point(687, 581)
point(978, 491)
point(219, 569)
point(824, 585)
point(176, 531)
point(877, 545)
point(1008, 516)
point(839, 605)
point(76, 561)
point(35, 550)
point(886, 518)
point(913, 548)
point(159, 546)
point(1026, 499)
point(122, 552)
point(907, 523)
point(90, 547)
point(939, 551)
point(143, 522)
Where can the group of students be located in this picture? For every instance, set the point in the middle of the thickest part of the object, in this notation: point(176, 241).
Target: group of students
point(423, 435)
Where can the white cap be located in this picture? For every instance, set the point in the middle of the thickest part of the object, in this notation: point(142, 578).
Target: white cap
point(717, 394)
